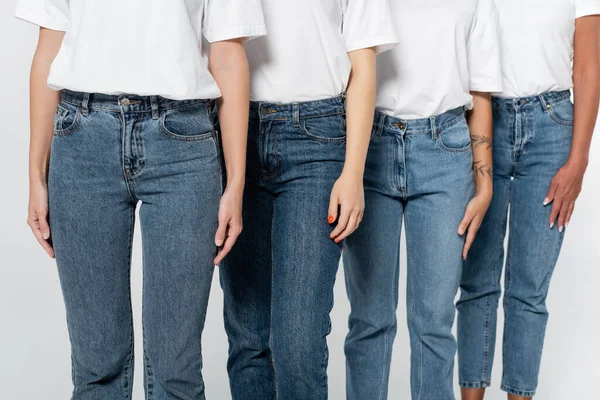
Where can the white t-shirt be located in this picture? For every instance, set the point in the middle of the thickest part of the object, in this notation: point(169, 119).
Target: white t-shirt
point(537, 44)
point(143, 47)
point(447, 49)
point(305, 55)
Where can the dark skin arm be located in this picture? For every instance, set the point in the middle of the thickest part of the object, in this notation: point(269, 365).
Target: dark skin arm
point(568, 181)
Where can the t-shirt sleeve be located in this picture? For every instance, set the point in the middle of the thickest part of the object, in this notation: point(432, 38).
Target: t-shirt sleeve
point(483, 48)
point(232, 19)
point(51, 14)
point(368, 23)
point(584, 8)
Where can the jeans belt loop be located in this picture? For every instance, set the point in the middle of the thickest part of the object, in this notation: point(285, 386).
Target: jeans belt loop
point(155, 110)
point(296, 114)
point(434, 130)
point(85, 108)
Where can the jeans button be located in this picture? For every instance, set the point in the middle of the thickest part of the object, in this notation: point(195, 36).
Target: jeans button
point(125, 102)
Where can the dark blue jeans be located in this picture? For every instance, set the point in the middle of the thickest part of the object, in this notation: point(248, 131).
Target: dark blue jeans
point(278, 280)
point(109, 154)
point(532, 140)
point(419, 171)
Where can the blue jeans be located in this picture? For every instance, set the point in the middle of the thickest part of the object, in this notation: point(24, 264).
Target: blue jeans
point(109, 154)
point(532, 140)
point(278, 280)
point(419, 170)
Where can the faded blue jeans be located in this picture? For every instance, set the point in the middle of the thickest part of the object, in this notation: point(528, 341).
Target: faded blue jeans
point(532, 140)
point(108, 155)
point(419, 170)
point(278, 280)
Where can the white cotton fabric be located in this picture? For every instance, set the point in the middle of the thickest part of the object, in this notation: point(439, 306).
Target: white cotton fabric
point(142, 47)
point(537, 44)
point(305, 55)
point(447, 49)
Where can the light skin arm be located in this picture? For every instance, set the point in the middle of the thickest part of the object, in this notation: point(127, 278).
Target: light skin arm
point(43, 104)
point(229, 66)
point(567, 183)
point(347, 202)
point(480, 125)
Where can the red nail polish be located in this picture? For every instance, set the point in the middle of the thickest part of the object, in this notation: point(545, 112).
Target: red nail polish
point(330, 219)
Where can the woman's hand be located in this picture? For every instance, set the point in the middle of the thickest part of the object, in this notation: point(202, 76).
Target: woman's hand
point(564, 190)
point(473, 218)
point(38, 215)
point(230, 221)
point(348, 197)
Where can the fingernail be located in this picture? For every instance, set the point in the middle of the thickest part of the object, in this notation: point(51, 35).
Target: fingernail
point(560, 229)
point(330, 219)
point(337, 240)
point(552, 225)
point(567, 225)
point(546, 201)
point(46, 236)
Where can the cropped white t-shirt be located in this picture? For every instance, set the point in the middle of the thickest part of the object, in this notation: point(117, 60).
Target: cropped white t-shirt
point(447, 49)
point(305, 55)
point(143, 47)
point(537, 44)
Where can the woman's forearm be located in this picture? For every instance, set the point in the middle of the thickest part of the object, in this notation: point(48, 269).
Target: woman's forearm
point(229, 66)
point(480, 126)
point(360, 105)
point(43, 103)
point(586, 89)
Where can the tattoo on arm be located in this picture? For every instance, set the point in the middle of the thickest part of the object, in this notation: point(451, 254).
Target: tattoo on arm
point(480, 140)
point(481, 169)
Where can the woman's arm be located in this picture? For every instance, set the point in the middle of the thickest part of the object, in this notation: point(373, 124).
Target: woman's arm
point(480, 125)
point(43, 103)
point(229, 66)
point(567, 182)
point(348, 193)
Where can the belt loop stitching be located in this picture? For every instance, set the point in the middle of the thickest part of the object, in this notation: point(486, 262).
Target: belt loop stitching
point(434, 131)
point(155, 111)
point(85, 108)
point(546, 105)
point(380, 124)
point(296, 114)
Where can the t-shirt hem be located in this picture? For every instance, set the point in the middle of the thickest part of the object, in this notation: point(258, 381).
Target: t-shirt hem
point(491, 88)
point(587, 12)
point(40, 19)
point(381, 44)
point(247, 32)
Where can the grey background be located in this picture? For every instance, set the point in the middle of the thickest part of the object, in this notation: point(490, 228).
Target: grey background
point(34, 346)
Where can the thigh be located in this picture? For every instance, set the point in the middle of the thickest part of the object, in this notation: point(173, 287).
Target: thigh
point(92, 219)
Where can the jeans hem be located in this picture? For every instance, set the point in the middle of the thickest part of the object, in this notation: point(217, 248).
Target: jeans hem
point(518, 392)
point(475, 385)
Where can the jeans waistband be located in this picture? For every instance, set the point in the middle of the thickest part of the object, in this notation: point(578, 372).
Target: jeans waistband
point(542, 101)
point(385, 123)
point(297, 111)
point(134, 103)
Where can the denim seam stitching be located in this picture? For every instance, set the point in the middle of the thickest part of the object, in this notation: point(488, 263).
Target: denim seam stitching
point(130, 355)
point(272, 353)
point(117, 111)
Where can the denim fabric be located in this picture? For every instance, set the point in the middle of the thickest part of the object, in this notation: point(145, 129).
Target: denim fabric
point(532, 140)
point(109, 154)
point(419, 170)
point(278, 280)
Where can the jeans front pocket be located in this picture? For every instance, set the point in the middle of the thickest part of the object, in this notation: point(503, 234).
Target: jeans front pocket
point(189, 123)
point(67, 119)
point(455, 138)
point(326, 129)
point(562, 112)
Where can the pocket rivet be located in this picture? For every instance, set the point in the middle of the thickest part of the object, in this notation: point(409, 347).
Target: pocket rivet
point(548, 106)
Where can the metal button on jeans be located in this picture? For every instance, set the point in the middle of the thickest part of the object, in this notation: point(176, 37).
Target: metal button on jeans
point(125, 102)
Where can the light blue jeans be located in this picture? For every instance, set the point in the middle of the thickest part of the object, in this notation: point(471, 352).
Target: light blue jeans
point(532, 140)
point(420, 170)
point(109, 154)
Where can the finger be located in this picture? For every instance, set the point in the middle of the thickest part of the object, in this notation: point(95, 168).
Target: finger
point(464, 224)
point(556, 206)
point(234, 233)
point(351, 227)
point(221, 231)
point(471, 233)
point(570, 214)
point(562, 215)
point(342, 223)
point(551, 193)
point(44, 226)
point(43, 242)
point(332, 213)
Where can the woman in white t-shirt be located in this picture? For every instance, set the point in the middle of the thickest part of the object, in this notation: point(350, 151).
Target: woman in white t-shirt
point(429, 166)
point(313, 98)
point(122, 100)
point(541, 149)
